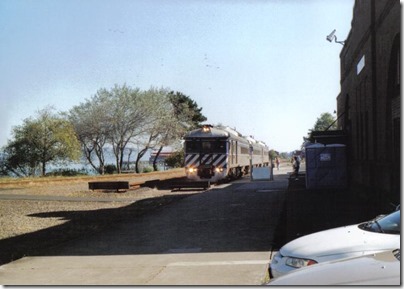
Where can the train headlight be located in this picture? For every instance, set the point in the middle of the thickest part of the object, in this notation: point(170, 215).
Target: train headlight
point(206, 128)
point(191, 170)
point(219, 169)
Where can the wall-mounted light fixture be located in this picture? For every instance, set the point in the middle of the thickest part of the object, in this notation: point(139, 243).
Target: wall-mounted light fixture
point(332, 36)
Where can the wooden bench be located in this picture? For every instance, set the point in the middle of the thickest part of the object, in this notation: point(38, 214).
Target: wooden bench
point(111, 185)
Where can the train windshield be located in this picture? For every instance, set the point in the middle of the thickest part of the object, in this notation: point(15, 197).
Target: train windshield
point(205, 146)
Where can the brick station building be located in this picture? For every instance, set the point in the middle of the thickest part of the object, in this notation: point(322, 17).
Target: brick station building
point(369, 104)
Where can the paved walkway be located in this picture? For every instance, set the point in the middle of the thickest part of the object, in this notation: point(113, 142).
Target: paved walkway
point(221, 237)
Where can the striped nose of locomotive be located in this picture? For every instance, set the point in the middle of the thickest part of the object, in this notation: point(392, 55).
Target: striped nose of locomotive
point(195, 160)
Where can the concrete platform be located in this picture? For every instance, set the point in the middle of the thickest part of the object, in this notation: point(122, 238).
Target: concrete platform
point(221, 237)
point(243, 268)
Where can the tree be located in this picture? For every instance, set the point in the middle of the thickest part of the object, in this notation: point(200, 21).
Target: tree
point(39, 141)
point(125, 119)
point(163, 126)
point(273, 154)
point(185, 116)
point(111, 118)
point(155, 106)
point(186, 109)
point(173, 115)
point(129, 117)
point(325, 122)
point(92, 129)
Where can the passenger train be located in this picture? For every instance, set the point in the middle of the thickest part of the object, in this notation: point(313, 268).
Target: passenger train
point(217, 153)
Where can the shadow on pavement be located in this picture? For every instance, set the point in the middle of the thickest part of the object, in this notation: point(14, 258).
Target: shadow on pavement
point(307, 211)
point(162, 184)
point(79, 224)
point(235, 218)
point(238, 217)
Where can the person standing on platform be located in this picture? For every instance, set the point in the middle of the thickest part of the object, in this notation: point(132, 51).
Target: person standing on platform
point(296, 165)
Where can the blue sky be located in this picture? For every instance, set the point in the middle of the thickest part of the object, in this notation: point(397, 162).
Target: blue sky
point(262, 67)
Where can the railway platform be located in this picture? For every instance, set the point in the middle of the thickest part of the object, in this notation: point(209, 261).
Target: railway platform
point(222, 236)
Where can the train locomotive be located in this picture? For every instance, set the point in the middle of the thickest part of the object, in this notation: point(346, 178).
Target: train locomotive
point(218, 153)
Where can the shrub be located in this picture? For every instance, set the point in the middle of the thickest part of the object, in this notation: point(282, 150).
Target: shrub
point(176, 160)
point(67, 173)
point(110, 169)
point(147, 169)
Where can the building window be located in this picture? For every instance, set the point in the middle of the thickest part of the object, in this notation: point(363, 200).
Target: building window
point(360, 65)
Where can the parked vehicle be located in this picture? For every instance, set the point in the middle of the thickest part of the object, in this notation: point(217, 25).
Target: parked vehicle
point(379, 234)
point(374, 269)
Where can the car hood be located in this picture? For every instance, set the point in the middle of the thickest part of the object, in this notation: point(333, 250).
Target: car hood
point(375, 269)
point(339, 242)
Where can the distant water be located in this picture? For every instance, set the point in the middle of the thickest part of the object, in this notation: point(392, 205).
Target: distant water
point(83, 164)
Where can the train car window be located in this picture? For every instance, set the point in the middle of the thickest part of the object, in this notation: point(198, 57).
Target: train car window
point(192, 146)
point(244, 151)
point(214, 146)
point(208, 146)
point(220, 147)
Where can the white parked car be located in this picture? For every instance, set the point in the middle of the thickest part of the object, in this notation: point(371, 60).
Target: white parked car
point(375, 269)
point(380, 234)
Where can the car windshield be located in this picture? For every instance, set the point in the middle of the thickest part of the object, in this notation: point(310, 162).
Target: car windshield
point(390, 224)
